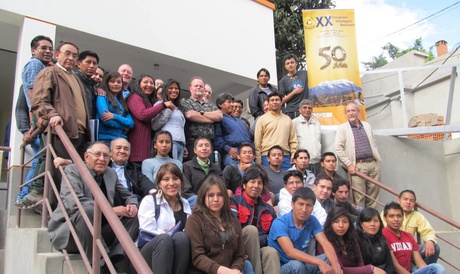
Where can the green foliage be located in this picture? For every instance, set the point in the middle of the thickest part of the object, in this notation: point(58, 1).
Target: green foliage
point(395, 52)
point(376, 62)
point(289, 36)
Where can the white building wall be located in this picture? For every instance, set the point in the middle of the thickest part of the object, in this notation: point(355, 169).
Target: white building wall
point(426, 91)
point(234, 36)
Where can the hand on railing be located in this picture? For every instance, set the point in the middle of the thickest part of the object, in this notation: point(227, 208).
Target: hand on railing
point(55, 120)
point(352, 169)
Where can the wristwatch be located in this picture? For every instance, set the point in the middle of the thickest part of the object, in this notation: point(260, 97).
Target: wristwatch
point(202, 112)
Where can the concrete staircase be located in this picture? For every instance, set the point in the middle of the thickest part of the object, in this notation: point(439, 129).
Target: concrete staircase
point(37, 254)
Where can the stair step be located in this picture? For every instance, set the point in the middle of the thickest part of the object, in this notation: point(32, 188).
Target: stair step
point(54, 263)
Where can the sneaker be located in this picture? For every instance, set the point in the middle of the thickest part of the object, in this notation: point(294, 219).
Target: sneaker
point(19, 203)
point(32, 198)
point(24, 191)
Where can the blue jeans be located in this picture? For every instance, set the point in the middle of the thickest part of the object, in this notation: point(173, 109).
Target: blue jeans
point(192, 201)
point(30, 174)
point(429, 269)
point(285, 165)
point(178, 151)
point(247, 267)
point(227, 160)
point(298, 267)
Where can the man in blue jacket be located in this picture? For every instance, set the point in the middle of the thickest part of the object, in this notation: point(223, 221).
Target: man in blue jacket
point(230, 132)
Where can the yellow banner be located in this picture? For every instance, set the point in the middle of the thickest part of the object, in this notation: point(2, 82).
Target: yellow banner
point(332, 63)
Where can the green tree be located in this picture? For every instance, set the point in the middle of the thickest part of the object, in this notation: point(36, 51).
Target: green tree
point(376, 62)
point(289, 37)
point(394, 52)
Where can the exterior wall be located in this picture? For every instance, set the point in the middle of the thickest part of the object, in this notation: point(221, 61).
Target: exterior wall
point(204, 32)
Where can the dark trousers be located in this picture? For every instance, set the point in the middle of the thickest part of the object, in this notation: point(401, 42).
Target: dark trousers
point(292, 115)
point(110, 241)
point(315, 168)
point(80, 144)
point(168, 254)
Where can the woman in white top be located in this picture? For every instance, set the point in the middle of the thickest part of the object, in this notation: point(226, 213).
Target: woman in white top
point(172, 120)
point(162, 218)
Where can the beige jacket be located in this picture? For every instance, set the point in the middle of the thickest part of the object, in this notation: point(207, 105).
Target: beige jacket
point(345, 143)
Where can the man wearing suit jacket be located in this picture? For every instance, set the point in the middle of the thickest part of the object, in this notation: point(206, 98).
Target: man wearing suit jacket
point(129, 174)
point(59, 98)
point(97, 158)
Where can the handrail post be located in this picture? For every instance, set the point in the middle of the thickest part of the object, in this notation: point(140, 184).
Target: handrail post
point(125, 240)
point(450, 98)
point(21, 179)
point(97, 235)
point(48, 166)
point(403, 99)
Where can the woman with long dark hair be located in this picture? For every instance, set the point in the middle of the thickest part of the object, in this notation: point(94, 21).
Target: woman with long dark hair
point(112, 111)
point(341, 234)
point(162, 143)
point(373, 244)
point(215, 234)
point(140, 103)
point(162, 217)
point(172, 120)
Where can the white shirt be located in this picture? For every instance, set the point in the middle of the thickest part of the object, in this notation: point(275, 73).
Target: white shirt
point(284, 206)
point(120, 170)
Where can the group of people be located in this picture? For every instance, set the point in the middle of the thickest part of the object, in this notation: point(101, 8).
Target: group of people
point(182, 172)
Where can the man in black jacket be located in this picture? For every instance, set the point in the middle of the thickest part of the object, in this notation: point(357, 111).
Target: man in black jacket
point(87, 64)
point(129, 174)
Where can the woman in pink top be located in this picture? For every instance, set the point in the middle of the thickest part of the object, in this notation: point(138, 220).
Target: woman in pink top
point(140, 103)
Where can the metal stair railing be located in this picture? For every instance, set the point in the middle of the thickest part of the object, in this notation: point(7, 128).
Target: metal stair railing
point(101, 205)
point(424, 207)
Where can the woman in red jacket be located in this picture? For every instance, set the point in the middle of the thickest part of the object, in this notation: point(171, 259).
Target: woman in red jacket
point(140, 103)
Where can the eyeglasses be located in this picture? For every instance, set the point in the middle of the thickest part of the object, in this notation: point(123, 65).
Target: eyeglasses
point(98, 154)
point(262, 76)
point(69, 54)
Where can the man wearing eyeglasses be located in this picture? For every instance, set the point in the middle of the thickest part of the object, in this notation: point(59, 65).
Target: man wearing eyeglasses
point(59, 98)
point(97, 158)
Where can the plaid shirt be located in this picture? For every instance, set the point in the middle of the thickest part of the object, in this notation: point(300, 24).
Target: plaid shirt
point(30, 71)
point(192, 129)
point(362, 147)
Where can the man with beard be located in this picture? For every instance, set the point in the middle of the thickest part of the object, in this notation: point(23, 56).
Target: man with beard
point(356, 148)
